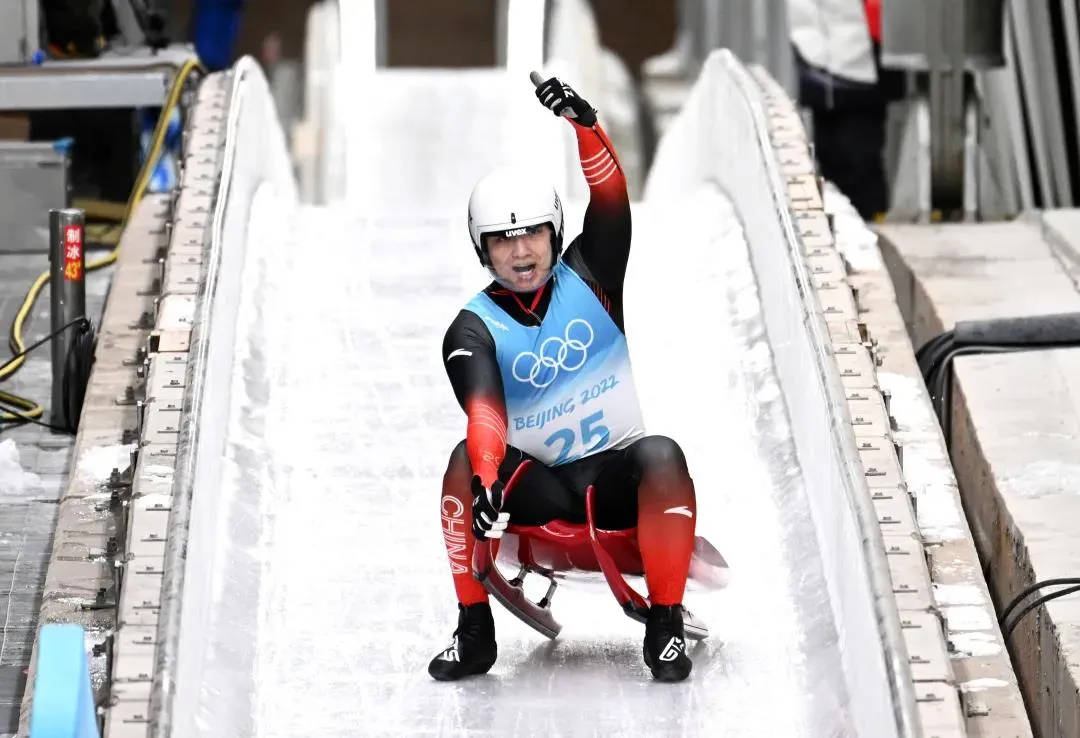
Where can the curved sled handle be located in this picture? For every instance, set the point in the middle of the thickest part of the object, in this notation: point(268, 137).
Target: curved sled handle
point(514, 479)
point(482, 556)
point(631, 602)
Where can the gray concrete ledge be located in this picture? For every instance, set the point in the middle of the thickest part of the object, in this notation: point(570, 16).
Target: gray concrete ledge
point(80, 586)
point(1016, 441)
point(946, 273)
point(1015, 435)
point(28, 516)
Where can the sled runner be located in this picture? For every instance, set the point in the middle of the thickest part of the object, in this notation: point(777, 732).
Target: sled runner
point(557, 548)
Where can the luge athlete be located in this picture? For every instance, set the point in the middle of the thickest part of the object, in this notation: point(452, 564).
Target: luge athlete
point(539, 362)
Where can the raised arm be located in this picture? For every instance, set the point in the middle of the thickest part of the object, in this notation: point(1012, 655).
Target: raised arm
point(469, 358)
point(605, 231)
point(604, 244)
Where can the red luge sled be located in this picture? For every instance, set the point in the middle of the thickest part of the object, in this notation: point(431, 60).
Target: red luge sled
point(557, 548)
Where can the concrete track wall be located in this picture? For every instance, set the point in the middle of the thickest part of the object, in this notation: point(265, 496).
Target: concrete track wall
point(198, 583)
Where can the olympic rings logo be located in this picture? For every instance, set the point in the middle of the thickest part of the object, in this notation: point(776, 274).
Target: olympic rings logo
point(541, 370)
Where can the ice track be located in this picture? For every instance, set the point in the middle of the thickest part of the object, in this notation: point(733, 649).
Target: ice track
point(342, 419)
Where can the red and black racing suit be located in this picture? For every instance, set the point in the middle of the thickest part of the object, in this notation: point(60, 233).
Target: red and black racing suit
point(645, 484)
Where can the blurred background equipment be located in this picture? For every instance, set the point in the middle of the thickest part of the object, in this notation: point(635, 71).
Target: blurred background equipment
point(950, 50)
point(990, 128)
point(980, 143)
point(19, 35)
point(757, 32)
point(34, 177)
point(837, 50)
point(215, 25)
point(77, 28)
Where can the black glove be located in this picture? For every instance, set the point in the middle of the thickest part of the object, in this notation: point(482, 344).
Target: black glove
point(487, 520)
point(560, 99)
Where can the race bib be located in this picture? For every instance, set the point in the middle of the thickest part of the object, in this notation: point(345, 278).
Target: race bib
point(568, 385)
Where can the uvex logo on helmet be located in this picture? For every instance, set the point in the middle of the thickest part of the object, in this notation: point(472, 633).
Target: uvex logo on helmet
point(515, 232)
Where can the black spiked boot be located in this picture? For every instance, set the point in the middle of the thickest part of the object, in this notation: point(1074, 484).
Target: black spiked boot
point(665, 644)
point(473, 649)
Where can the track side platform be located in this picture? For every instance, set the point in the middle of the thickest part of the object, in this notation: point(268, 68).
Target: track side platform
point(1015, 429)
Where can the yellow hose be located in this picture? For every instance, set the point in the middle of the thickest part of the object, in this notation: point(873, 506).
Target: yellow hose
point(100, 209)
point(33, 409)
point(15, 341)
point(105, 234)
point(157, 141)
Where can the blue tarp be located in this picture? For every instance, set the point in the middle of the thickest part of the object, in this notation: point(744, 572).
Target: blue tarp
point(63, 704)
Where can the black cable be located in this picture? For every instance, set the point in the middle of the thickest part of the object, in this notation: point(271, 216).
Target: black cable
point(80, 321)
point(932, 359)
point(939, 380)
point(1034, 588)
point(928, 354)
point(1008, 630)
point(935, 359)
point(77, 365)
point(936, 365)
point(1029, 333)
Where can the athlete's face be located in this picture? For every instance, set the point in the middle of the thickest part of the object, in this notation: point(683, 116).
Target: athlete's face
point(521, 262)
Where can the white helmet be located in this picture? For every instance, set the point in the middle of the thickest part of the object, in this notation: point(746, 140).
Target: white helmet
point(507, 199)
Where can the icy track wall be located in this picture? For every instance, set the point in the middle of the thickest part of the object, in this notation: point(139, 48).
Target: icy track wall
point(722, 136)
point(255, 162)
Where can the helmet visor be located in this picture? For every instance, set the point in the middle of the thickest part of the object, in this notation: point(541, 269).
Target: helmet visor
point(510, 233)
